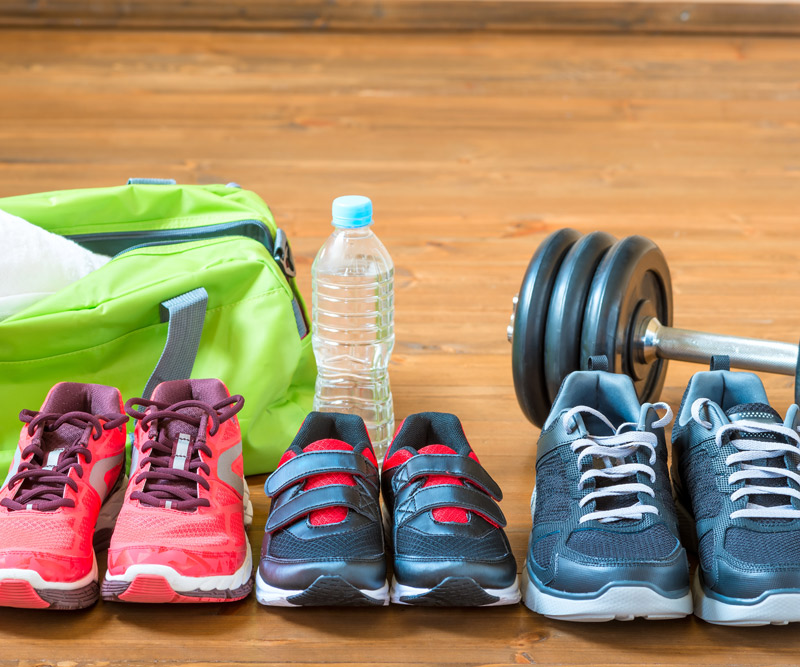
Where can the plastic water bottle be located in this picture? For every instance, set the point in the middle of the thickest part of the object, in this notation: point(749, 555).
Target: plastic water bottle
point(353, 321)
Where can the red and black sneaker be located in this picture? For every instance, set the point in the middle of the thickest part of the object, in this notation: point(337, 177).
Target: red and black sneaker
point(443, 522)
point(324, 540)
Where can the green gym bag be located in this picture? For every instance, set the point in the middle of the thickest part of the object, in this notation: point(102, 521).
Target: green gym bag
point(201, 284)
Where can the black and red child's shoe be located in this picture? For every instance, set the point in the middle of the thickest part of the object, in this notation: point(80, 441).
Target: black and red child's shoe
point(324, 541)
point(443, 522)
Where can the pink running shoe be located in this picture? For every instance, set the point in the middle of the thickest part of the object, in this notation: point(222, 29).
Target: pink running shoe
point(64, 489)
point(180, 535)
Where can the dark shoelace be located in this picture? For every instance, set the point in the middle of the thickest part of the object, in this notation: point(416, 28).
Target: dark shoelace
point(43, 488)
point(172, 487)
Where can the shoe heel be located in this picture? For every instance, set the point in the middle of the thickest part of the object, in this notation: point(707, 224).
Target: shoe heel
point(107, 518)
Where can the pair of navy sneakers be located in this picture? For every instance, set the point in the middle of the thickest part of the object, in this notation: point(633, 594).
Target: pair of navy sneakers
point(324, 539)
point(607, 538)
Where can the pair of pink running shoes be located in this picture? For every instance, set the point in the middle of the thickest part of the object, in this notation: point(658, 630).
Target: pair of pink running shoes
point(175, 531)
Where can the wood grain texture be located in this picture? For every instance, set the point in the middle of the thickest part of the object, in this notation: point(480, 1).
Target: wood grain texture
point(690, 16)
point(473, 148)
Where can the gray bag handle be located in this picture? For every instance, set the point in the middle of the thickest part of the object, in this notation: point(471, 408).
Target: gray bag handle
point(185, 315)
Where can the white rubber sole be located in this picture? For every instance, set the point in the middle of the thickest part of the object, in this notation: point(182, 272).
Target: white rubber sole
point(776, 609)
point(506, 596)
point(271, 596)
point(621, 603)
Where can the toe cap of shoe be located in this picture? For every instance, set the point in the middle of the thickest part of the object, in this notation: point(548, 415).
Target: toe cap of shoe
point(364, 574)
point(189, 563)
point(749, 581)
point(575, 575)
point(53, 567)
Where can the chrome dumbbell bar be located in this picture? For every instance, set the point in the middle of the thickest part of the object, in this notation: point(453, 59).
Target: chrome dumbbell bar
point(653, 341)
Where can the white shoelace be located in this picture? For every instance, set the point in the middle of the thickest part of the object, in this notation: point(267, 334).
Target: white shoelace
point(751, 449)
point(611, 449)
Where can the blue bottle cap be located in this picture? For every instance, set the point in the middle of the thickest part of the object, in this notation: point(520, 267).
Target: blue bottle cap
point(351, 211)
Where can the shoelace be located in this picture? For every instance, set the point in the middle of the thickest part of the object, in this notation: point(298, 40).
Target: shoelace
point(609, 449)
point(176, 488)
point(752, 449)
point(43, 485)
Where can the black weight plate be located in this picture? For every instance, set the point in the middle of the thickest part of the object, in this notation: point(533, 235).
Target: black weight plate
point(527, 343)
point(632, 278)
point(562, 336)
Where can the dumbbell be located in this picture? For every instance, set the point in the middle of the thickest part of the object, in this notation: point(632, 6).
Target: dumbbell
point(585, 295)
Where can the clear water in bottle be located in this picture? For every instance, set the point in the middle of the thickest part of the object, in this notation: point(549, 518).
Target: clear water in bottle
point(353, 321)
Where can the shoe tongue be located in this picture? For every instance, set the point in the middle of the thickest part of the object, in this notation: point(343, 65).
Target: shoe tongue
point(761, 412)
point(328, 444)
point(177, 435)
point(53, 445)
point(757, 412)
point(577, 424)
point(444, 514)
point(65, 436)
point(329, 515)
point(173, 393)
point(588, 425)
point(437, 449)
point(173, 428)
point(585, 424)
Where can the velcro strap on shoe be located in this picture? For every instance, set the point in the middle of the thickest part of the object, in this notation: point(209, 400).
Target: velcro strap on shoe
point(305, 465)
point(290, 510)
point(415, 502)
point(445, 464)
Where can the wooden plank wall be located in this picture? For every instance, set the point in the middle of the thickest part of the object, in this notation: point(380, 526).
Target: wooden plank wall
point(699, 16)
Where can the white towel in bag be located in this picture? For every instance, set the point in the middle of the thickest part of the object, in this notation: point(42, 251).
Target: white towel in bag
point(36, 263)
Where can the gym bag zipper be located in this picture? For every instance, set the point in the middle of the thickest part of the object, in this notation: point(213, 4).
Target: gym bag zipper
point(119, 243)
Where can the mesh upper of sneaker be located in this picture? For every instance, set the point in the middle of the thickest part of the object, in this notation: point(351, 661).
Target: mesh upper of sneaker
point(605, 458)
point(205, 538)
point(334, 531)
point(52, 530)
point(766, 541)
point(469, 535)
point(555, 503)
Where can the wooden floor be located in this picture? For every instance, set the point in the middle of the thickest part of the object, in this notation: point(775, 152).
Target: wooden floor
point(473, 148)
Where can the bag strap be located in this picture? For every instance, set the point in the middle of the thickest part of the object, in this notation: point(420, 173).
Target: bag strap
point(445, 464)
point(185, 315)
point(287, 512)
point(427, 498)
point(317, 463)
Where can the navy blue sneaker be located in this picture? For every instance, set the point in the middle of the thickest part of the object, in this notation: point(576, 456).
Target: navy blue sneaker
point(443, 523)
point(604, 543)
point(735, 469)
point(324, 539)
